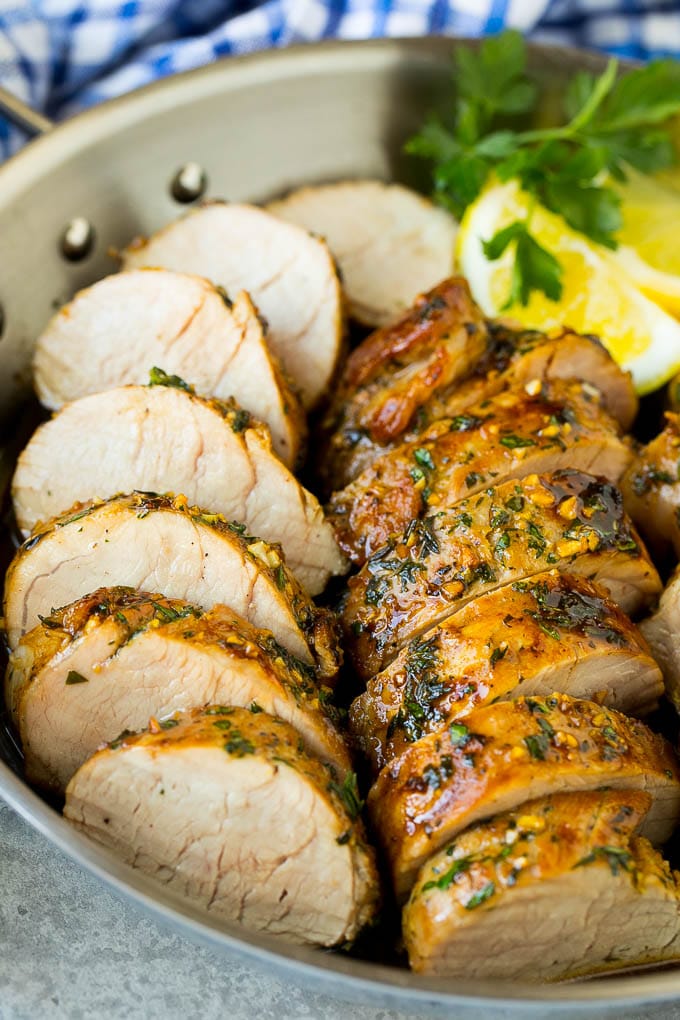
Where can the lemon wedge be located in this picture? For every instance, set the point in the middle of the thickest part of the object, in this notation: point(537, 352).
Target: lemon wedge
point(598, 296)
point(648, 241)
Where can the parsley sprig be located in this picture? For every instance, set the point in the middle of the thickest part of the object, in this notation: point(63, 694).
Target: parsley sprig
point(612, 122)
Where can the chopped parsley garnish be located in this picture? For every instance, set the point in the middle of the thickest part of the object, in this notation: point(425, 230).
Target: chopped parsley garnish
point(457, 868)
point(423, 457)
point(348, 793)
point(157, 377)
point(617, 859)
point(481, 897)
point(514, 442)
point(74, 677)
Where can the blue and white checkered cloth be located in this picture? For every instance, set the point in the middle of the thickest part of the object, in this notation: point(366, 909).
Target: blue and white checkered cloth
point(63, 55)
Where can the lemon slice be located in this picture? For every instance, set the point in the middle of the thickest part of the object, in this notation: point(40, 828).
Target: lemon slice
point(598, 294)
point(649, 250)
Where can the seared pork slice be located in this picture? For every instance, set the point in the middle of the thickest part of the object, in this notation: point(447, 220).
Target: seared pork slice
point(515, 357)
point(118, 657)
point(389, 242)
point(512, 359)
point(163, 438)
point(560, 888)
point(568, 520)
point(224, 807)
point(651, 489)
point(662, 631)
point(159, 543)
point(553, 632)
point(511, 435)
point(290, 276)
point(114, 332)
point(390, 376)
point(506, 754)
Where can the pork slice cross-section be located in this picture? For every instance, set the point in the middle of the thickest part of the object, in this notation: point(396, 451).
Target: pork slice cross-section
point(223, 806)
point(513, 434)
point(112, 660)
point(389, 242)
point(159, 543)
point(289, 274)
point(568, 520)
point(163, 438)
point(552, 632)
point(559, 888)
point(116, 331)
point(506, 754)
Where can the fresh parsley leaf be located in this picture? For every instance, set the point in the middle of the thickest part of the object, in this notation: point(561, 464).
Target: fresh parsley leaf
point(613, 122)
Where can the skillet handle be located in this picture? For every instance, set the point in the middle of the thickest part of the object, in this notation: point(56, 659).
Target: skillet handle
point(23, 116)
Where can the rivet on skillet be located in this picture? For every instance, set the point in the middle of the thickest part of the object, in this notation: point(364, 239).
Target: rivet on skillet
point(77, 239)
point(189, 183)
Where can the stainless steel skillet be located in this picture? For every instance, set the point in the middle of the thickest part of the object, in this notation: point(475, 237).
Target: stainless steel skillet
point(255, 126)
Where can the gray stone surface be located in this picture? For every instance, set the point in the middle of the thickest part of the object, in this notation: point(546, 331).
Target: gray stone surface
point(71, 949)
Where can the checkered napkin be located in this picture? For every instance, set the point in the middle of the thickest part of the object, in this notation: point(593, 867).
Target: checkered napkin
point(64, 55)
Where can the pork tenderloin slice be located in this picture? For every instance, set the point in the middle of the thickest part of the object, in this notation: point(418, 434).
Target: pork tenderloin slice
point(114, 332)
point(553, 632)
point(389, 242)
point(559, 888)
point(515, 433)
point(662, 630)
point(164, 438)
point(506, 754)
point(568, 520)
point(651, 490)
point(112, 660)
point(393, 374)
point(290, 276)
point(227, 810)
point(159, 543)
point(515, 357)
point(511, 360)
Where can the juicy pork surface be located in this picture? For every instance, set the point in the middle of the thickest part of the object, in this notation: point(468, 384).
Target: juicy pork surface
point(568, 520)
point(163, 438)
point(289, 274)
point(116, 658)
point(651, 489)
point(225, 808)
point(553, 632)
point(389, 242)
point(116, 331)
point(506, 754)
point(157, 543)
point(509, 359)
point(560, 888)
point(389, 377)
point(662, 631)
point(514, 434)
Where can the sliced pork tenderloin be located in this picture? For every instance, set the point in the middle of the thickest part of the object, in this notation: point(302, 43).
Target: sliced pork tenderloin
point(662, 631)
point(392, 375)
point(290, 276)
point(552, 632)
point(164, 438)
point(515, 433)
point(568, 520)
point(116, 331)
point(222, 806)
point(159, 543)
point(506, 754)
point(389, 242)
point(559, 888)
point(512, 359)
point(651, 490)
point(118, 657)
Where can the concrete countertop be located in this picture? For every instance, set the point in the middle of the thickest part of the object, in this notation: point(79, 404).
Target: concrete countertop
point(71, 949)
